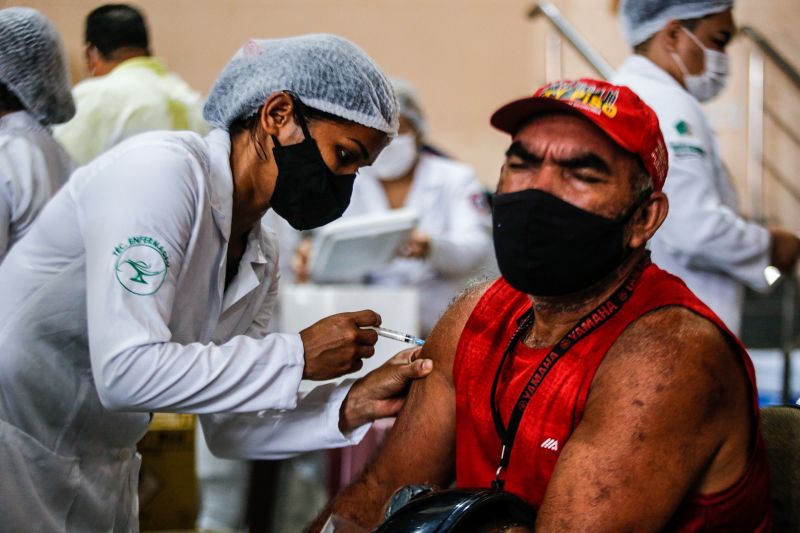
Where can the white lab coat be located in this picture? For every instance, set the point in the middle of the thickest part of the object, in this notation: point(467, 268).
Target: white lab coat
point(704, 240)
point(33, 166)
point(453, 211)
point(113, 306)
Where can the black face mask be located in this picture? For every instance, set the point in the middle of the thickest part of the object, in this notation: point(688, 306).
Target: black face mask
point(307, 194)
point(548, 247)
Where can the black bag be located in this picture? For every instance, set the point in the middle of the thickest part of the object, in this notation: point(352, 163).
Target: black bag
point(420, 509)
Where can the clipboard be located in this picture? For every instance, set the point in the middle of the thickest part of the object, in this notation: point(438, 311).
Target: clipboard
point(347, 249)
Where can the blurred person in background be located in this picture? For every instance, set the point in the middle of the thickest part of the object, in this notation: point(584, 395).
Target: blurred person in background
point(129, 91)
point(452, 241)
point(34, 93)
point(679, 62)
point(148, 283)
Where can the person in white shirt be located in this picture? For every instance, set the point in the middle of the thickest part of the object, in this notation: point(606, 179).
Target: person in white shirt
point(452, 241)
point(679, 62)
point(148, 283)
point(129, 91)
point(34, 93)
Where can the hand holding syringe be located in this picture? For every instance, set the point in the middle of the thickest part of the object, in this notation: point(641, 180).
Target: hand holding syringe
point(397, 335)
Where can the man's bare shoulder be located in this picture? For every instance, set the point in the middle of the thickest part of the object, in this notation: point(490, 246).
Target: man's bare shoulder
point(673, 356)
point(441, 344)
point(674, 333)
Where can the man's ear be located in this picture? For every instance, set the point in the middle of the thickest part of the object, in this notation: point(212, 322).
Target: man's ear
point(649, 218)
point(277, 113)
point(91, 56)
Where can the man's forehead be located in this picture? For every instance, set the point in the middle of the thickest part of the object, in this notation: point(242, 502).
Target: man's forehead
point(568, 129)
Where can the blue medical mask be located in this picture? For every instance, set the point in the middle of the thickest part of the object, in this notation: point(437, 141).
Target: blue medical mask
point(712, 80)
point(397, 158)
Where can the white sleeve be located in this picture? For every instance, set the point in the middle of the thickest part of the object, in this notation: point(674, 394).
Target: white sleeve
point(467, 241)
point(15, 177)
point(313, 425)
point(5, 218)
point(261, 321)
point(700, 230)
point(151, 192)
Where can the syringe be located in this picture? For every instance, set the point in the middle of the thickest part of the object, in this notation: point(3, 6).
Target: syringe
point(398, 336)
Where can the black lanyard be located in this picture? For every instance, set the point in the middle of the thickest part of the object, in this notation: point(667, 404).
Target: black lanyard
point(591, 321)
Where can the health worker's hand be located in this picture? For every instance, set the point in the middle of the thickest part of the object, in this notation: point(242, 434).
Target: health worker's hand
point(418, 245)
point(335, 345)
point(785, 249)
point(301, 260)
point(382, 392)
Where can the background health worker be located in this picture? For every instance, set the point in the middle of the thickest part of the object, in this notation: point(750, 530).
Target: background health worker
point(452, 240)
point(147, 285)
point(129, 91)
point(679, 62)
point(34, 93)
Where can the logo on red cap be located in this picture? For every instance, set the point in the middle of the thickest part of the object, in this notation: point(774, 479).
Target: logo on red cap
point(586, 96)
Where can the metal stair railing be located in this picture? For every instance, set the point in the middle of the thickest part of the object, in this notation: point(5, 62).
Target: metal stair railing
point(756, 111)
point(756, 165)
point(568, 31)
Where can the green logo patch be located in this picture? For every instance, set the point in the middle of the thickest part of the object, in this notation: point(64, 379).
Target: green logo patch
point(687, 150)
point(683, 128)
point(141, 266)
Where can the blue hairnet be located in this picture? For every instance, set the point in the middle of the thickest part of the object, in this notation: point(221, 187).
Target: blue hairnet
point(326, 72)
point(32, 65)
point(641, 19)
point(409, 106)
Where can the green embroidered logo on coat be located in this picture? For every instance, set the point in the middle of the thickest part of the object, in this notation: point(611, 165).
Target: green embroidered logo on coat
point(687, 150)
point(141, 266)
point(683, 128)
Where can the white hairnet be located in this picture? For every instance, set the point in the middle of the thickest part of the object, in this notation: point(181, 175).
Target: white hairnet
point(32, 65)
point(409, 106)
point(326, 72)
point(641, 19)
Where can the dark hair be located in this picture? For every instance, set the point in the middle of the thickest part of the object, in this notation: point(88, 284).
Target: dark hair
point(114, 26)
point(8, 100)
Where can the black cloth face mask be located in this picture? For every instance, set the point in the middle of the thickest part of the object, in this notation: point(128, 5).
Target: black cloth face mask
point(307, 194)
point(548, 247)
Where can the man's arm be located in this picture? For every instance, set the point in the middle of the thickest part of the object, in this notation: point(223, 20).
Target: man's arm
point(421, 446)
point(667, 416)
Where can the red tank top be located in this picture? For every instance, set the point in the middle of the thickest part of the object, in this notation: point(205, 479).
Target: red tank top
point(558, 404)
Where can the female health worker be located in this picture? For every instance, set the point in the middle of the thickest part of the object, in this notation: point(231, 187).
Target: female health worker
point(147, 285)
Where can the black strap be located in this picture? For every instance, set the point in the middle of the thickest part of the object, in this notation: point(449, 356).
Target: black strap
point(590, 322)
point(299, 108)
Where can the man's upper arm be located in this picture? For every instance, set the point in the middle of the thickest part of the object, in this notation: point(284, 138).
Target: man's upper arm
point(421, 445)
point(659, 411)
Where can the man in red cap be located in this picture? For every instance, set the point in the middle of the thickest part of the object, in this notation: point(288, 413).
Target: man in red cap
point(586, 380)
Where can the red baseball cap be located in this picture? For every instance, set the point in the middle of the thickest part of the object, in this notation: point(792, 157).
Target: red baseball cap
point(615, 109)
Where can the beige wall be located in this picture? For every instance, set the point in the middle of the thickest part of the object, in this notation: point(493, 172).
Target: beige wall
point(465, 57)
